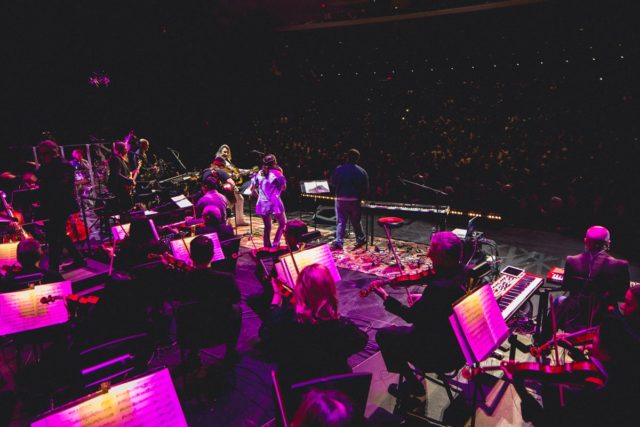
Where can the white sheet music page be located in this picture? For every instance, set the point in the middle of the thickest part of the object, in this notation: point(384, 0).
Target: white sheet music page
point(150, 400)
point(120, 231)
point(180, 248)
point(478, 323)
point(318, 255)
point(8, 253)
point(23, 311)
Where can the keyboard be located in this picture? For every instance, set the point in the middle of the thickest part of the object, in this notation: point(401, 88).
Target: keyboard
point(513, 291)
point(556, 275)
point(404, 207)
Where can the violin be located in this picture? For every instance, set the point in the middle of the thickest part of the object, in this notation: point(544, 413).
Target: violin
point(264, 252)
point(284, 289)
point(579, 338)
point(404, 280)
point(172, 262)
point(575, 373)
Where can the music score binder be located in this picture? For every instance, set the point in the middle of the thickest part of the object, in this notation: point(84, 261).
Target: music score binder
point(23, 310)
point(147, 400)
point(478, 324)
point(288, 273)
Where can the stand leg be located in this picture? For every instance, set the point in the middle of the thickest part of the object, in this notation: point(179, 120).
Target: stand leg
point(393, 249)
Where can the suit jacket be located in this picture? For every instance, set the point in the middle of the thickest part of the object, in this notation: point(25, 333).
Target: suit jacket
point(597, 274)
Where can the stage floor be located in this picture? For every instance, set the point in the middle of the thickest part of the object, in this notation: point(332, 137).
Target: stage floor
point(213, 396)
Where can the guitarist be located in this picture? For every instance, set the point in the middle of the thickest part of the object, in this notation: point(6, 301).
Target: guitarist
point(121, 178)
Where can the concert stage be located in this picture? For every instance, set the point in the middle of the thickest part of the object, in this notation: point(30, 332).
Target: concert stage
point(215, 396)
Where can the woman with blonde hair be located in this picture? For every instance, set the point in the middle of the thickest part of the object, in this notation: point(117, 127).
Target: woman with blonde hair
point(307, 338)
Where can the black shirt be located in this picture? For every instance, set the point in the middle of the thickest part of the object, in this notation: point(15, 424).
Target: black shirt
point(57, 189)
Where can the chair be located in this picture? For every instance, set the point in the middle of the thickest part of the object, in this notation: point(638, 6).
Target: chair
point(229, 248)
point(355, 386)
point(112, 361)
point(387, 223)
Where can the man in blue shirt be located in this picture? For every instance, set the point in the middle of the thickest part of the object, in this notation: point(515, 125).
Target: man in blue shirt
point(351, 183)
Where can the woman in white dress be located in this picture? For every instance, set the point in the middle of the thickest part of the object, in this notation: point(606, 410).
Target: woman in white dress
point(266, 186)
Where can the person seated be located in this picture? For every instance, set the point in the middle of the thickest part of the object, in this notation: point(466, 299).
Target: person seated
point(429, 343)
point(324, 408)
point(29, 253)
point(217, 293)
point(308, 338)
point(595, 281)
point(141, 241)
point(265, 270)
point(211, 197)
point(214, 223)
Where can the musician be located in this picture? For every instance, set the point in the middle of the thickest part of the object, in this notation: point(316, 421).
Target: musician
point(229, 188)
point(259, 303)
point(214, 223)
point(78, 162)
point(29, 253)
point(309, 339)
point(121, 182)
point(429, 343)
point(224, 154)
point(267, 185)
point(211, 197)
point(351, 184)
point(595, 280)
point(57, 201)
point(216, 290)
point(140, 156)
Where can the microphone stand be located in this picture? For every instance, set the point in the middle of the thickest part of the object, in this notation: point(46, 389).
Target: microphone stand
point(176, 154)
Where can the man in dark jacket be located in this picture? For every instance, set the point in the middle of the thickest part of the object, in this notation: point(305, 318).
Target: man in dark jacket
point(429, 343)
point(351, 184)
point(57, 202)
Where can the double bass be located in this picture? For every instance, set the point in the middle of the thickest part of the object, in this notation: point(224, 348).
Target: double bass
point(15, 219)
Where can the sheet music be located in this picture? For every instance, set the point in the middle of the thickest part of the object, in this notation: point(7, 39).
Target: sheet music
point(478, 324)
point(180, 248)
point(150, 400)
point(319, 255)
point(22, 310)
point(316, 187)
point(8, 253)
point(120, 231)
point(181, 201)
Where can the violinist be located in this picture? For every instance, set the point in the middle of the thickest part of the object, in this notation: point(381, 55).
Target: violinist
point(214, 223)
point(309, 339)
point(29, 253)
point(429, 342)
point(266, 259)
point(215, 292)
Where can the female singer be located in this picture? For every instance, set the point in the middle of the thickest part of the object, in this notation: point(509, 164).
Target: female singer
point(266, 186)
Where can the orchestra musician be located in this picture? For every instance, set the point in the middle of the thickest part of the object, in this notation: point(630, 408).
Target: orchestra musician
point(214, 223)
point(121, 181)
point(57, 202)
point(227, 187)
point(595, 281)
point(141, 157)
point(29, 253)
point(78, 161)
point(267, 185)
point(211, 197)
point(351, 184)
point(308, 338)
point(217, 291)
point(429, 343)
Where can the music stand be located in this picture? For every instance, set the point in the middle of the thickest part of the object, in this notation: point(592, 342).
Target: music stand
point(314, 187)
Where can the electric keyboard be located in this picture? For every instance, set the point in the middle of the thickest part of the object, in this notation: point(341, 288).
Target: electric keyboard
point(513, 291)
point(556, 275)
point(389, 207)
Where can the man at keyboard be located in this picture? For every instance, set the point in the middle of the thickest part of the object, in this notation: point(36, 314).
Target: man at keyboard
point(595, 281)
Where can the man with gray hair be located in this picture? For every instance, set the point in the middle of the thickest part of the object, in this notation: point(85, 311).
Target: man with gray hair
point(429, 343)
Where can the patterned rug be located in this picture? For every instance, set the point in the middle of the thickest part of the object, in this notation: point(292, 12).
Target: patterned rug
point(376, 259)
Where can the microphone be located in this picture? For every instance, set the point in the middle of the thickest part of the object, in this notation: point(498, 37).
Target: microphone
point(172, 149)
point(260, 153)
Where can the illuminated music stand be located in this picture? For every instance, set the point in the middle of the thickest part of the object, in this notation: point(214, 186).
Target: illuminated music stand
point(479, 328)
point(314, 187)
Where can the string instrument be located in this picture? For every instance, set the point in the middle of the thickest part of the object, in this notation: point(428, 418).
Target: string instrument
point(579, 338)
point(264, 252)
point(50, 299)
point(172, 262)
point(16, 220)
point(237, 174)
point(284, 289)
point(404, 280)
point(580, 374)
point(134, 175)
point(76, 229)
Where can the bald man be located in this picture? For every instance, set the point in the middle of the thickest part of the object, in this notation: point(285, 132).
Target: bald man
point(595, 280)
